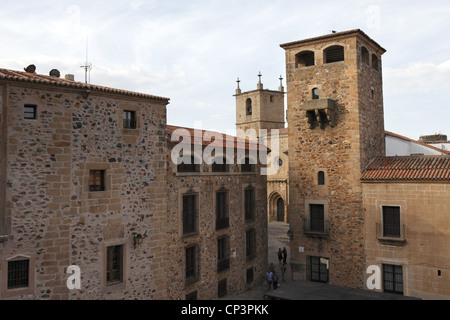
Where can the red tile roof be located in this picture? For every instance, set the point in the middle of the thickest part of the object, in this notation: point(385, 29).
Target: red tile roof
point(27, 77)
point(408, 168)
point(205, 141)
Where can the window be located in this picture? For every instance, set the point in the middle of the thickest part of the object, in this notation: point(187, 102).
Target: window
point(248, 106)
point(375, 62)
point(222, 218)
point(249, 203)
point(18, 272)
point(220, 165)
point(250, 244)
point(392, 278)
point(319, 269)
point(29, 112)
point(321, 178)
point(188, 166)
point(247, 166)
point(222, 288)
point(114, 264)
point(189, 214)
point(250, 275)
point(192, 265)
point(391, 222)
point(223, 256)
point(317, 217)
point(365, 55)
point(192, 296)
point(334, 54)
point(315, 93)
point(97, 180)
point(129, 119)
point(304, 59)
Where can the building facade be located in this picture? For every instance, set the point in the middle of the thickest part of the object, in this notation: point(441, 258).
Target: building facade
point(88, 188)
point(407, 201)
point(217, 216)
point(83, 175)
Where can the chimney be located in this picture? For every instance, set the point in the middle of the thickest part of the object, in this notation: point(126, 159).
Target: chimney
point(30, 69)
point(55, 73)
point(70, 77)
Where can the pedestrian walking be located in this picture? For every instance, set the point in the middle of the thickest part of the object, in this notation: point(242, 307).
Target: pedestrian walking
point(269, 278)
point(283, 271)
point(275, 281)
point(284, 255)
point(280, 255)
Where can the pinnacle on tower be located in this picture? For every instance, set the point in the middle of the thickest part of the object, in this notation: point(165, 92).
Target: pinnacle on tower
point(260, 85)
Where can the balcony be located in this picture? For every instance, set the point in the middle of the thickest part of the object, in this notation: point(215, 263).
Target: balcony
point(320, 111)
point(317, 228)
point(391, 237)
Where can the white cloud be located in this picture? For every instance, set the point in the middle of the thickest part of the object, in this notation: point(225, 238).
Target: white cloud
point(422, 77)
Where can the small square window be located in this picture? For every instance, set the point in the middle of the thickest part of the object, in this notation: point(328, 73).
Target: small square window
point(129, 119)
point(29, 112)
point(97, 180)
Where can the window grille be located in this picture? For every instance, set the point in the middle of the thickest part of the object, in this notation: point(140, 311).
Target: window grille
point(18, 274)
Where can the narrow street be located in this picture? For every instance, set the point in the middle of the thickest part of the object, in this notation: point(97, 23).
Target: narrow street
point(277, 238)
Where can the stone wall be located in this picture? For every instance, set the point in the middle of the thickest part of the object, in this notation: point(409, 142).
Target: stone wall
point(55, 220)
point(205, 184)
point(339, 149)
point(424, 253)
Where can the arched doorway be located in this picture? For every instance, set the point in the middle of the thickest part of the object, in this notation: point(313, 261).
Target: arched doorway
point(280, 209)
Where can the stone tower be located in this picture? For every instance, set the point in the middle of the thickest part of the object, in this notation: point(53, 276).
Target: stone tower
point(260, 108)
point(336, 126)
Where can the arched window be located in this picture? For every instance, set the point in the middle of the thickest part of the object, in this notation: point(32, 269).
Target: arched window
point(248, 106)
point(333, 54)
point(321, 178)
point(304, 59)
point(375, 62)
point(365, 55)
point(315, 93)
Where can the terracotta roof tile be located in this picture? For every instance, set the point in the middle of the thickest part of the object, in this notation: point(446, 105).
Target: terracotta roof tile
point(408, 168)
point(20, 76)
point(232, 140)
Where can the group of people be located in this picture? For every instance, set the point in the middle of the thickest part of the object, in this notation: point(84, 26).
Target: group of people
point(271, 275)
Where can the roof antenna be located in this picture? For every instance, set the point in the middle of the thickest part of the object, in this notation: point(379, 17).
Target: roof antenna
point(87, 66)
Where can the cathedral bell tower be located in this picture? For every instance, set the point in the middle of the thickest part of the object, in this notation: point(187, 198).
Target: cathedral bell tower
point(260, 108)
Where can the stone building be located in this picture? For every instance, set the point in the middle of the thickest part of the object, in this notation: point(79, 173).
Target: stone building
point(217, 220)
point(83, 177)
point(259, 117)
point(336, 127)
point(351, 207)
point(87, 180)
point(407, 226)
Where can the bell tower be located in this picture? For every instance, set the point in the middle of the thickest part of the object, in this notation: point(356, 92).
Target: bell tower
point(336, 127)
point(260, 108)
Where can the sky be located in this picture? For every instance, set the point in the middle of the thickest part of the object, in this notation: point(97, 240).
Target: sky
point(193, 51)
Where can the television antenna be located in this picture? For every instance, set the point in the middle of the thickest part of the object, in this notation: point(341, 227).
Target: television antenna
point(87, 66)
